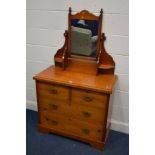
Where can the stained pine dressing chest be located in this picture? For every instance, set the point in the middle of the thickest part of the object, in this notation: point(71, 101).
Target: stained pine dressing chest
point(73, 95)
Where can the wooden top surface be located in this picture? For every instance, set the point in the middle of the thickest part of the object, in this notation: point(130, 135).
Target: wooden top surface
point(86, 78)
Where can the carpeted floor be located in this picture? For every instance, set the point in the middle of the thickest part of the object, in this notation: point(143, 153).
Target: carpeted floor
point(50, 144)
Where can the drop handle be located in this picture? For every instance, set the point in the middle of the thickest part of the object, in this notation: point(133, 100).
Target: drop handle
point(85, 130)
point(88, 98)
point(86, 114)
point(53, 122)
point(53, 91)
point(53, 106)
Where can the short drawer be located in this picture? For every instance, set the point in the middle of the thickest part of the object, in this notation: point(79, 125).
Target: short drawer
point(53, 92)
point(53, 106)
point(88, 113)
point(89, 98)
point(69, 125)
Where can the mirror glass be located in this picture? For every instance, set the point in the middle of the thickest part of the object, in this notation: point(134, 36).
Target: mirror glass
point(84, 37)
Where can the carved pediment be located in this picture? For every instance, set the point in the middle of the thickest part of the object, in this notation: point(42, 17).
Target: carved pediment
point(85, 14)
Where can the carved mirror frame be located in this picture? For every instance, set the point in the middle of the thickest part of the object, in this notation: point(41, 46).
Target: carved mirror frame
point(104, 61)
point(84, 15)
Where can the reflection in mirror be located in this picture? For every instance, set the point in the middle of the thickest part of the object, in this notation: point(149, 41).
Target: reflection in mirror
point(84, 37)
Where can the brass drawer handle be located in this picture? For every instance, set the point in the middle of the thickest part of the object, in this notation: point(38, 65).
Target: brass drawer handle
point(53, 91)
point(86, 114)
point(88, 98)
point(53, 122)
point(85, 130)
point(53, 106)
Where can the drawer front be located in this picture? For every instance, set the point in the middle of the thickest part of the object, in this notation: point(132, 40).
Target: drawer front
point(89, 98)
point(69, 125)
point(87, 113)
point(53, 92)
point(52, 121)
point(86, 130)
point(54, 106)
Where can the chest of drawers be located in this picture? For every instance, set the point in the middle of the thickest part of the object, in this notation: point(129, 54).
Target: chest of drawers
point(74, 107)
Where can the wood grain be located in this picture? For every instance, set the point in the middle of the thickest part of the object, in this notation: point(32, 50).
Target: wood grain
point(89, 98)
point(68, 124)
point(94, 143)
point(53, 92)
point(76, 111)
point(99, 83)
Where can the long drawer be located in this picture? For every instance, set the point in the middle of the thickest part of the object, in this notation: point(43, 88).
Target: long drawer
point(70, 125)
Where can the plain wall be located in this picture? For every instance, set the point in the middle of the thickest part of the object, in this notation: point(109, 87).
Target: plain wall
point(46, 23)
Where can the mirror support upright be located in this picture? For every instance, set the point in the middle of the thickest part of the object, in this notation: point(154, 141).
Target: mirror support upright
point(61, 56)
